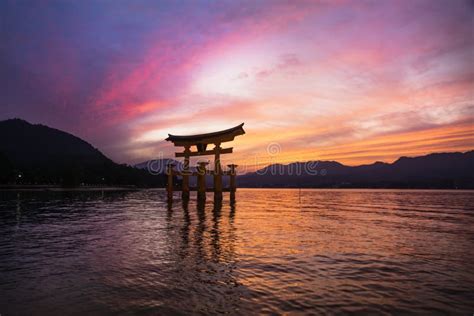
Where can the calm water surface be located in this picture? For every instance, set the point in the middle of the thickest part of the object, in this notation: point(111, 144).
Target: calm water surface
point(272, 252)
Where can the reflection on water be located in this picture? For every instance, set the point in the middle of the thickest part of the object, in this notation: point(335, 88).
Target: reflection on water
point(273, 251)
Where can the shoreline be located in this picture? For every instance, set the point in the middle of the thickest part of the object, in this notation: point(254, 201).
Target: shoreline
point(58, 188)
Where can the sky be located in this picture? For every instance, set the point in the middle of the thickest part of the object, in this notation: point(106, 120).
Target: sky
point(351, 81)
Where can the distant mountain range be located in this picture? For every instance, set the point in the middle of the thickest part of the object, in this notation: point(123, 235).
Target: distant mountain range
point(439, 170)
point(158, 166)
point(37, 154)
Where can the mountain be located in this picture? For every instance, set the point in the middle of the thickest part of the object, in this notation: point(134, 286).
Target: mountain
point(439, 170)
point(37, 154)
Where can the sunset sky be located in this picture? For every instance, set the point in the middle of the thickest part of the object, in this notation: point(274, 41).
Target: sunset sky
point(352, 81)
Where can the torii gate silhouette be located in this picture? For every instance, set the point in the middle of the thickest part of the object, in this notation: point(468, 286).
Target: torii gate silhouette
point(201, 141)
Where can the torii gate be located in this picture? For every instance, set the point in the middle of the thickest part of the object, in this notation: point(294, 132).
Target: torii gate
point(201, 141)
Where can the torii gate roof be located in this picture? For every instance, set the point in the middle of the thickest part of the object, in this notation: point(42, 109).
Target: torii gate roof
point(209, 138)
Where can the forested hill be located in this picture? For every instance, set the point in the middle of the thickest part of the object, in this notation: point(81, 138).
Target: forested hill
point(38, 154)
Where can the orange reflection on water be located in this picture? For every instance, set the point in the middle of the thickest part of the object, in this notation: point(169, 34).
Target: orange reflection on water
point(273, 251)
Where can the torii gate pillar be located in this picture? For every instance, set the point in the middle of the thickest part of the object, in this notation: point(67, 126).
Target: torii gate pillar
point(217, 172)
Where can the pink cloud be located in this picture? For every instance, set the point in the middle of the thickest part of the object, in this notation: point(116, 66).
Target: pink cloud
point(327, 74)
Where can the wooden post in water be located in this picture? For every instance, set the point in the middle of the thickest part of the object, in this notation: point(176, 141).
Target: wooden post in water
point(217, 172)
point(232, 184)
point(185, 189)
point(169, 187)
point(201, 180)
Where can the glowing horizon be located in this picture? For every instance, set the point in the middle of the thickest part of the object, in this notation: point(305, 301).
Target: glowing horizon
point(355, 82)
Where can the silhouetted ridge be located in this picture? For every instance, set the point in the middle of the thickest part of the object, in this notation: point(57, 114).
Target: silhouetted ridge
point(21, 141)
point(439, 170)
point(157, 166)
point(38, 154)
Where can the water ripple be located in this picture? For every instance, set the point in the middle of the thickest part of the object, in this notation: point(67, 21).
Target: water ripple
point(308, 252)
